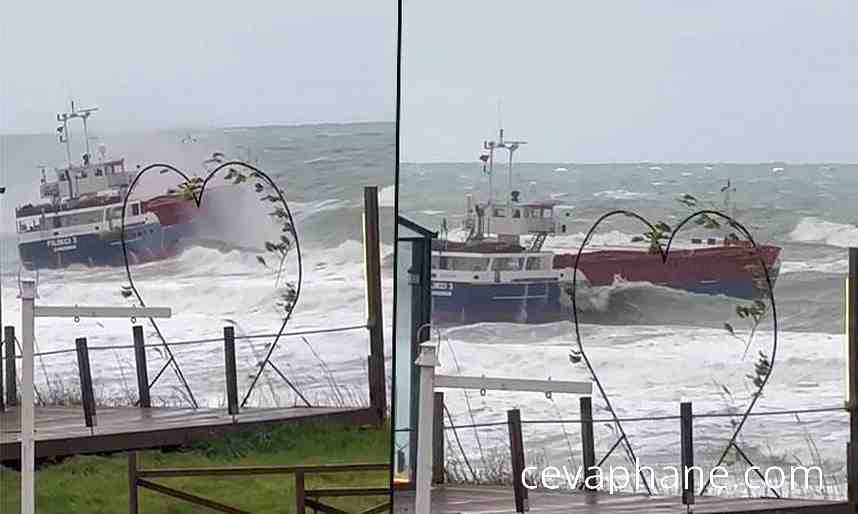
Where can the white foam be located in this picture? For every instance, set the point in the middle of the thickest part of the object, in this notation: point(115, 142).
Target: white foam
point(697, 360)
point(820, 266)
point(387, 196)
point(815, 230)
point(620, 194)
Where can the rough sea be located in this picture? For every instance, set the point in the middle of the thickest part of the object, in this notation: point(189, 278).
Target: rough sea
point(654, 347)
point(218, 281)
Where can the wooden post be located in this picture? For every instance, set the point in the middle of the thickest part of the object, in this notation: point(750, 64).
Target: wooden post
point(231, 379)
point(2, 390)
point(86, 394)
point(588, 446)
point(299, 493)
point(142, 371)
point(852, 381)
point(133, 504)
point(438, 438)
point(372, 258)
point(686, 453)
point(11, 373)
point(516, 447)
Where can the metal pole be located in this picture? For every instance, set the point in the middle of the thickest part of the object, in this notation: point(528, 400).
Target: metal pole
point(28, 491)
point(423, 482)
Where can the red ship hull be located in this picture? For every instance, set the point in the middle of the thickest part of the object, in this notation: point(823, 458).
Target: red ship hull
point(733, 270)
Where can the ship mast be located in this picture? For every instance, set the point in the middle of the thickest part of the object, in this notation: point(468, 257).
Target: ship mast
point(65, 135)
point(501, 144)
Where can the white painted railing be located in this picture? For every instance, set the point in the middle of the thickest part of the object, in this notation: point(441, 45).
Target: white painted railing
point(429, 381)
point(29, 312)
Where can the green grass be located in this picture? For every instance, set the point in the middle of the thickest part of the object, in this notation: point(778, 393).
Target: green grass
point(95, 484)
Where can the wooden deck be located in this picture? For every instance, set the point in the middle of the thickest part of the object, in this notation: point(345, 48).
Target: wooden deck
point(494, 500)
point(61, 431)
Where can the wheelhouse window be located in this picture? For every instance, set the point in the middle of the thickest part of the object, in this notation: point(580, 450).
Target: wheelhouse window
point(465, 263)
point(29, 225)
point(114, 213)
point(77, 219)
point(506, 264)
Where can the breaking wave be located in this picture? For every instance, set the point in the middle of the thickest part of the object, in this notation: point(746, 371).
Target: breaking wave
point(815, 230)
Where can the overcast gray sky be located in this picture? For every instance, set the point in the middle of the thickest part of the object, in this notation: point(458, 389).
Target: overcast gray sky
point(193, 63)
point(656, 80)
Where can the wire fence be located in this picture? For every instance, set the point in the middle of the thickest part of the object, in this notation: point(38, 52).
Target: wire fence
point(494, 424)
point(58, 386)
point(192, 341)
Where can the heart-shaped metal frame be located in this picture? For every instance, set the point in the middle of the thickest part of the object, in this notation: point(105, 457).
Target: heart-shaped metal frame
point(665, 253)
point(197, 197)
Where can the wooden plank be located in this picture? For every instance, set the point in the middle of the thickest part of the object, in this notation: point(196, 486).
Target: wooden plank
point(588, 445)
point(353, 491)
point(438, 440)
point(190, 498)
point(61, 430)
point(383, 507)
point(686, 449)
point(321, 507)
point(512, 384)
point(86, 393)
point(230, 370)
point(2, 388)
point(496, 500)
point(300, 497)
point(372, 258)
point(144, 399)
point(133, 503)
point(516, 447)
point(235, 471)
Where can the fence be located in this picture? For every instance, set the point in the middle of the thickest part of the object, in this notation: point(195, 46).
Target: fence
point(515, 424)
point(304, 498)
point(144, 385)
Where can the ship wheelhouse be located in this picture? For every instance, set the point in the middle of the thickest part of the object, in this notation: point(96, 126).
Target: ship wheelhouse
point(47, 221)
point(477, 267)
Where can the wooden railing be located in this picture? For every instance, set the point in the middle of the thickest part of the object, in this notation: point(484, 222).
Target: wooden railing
point(304, 498)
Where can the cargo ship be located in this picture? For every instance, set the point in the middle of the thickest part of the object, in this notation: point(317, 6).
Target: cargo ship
point(492, 276)
point(79, 217)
